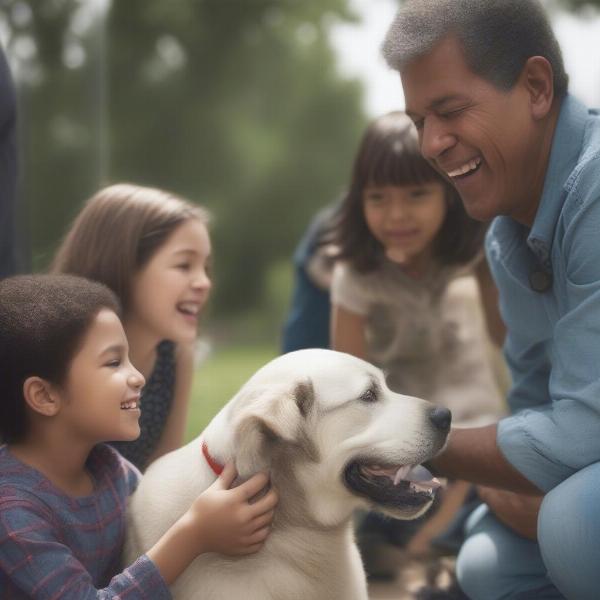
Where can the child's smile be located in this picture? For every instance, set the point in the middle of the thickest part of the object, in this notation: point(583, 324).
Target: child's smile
point(171, 289)
point(190, 311)
point(132, 404)
point(101, 381)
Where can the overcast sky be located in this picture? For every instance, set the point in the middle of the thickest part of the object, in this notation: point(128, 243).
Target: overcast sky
point(358, 51)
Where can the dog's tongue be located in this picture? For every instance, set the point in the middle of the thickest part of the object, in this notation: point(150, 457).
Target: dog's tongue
point(418, 475)
point(419, 478)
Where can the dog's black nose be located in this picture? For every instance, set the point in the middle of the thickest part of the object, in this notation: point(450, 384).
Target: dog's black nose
point(441, 418)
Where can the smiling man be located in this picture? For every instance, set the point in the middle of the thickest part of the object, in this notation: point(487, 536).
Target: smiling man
point(485, 85)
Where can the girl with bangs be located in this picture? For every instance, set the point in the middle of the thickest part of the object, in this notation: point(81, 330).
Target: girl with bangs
point(404, 297)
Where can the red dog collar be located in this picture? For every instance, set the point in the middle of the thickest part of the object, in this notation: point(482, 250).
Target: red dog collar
point(212, 463)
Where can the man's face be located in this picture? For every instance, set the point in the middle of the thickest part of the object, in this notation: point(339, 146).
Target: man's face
point(484, 140)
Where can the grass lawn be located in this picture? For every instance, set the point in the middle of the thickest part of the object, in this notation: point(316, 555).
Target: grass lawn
point(219, 378)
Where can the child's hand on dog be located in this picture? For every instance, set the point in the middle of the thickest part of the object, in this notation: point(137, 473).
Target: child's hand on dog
point(225, 520)
point(220, 520)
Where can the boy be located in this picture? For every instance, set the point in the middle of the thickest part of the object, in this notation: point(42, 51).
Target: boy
point(66, 385)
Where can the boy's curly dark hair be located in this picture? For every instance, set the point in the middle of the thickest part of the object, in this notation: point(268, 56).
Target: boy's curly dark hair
point(43, 321)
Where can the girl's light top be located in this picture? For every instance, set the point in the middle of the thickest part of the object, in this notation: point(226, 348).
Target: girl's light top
point(427, 335)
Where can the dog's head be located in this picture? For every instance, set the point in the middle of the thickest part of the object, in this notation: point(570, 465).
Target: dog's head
point(335, 438)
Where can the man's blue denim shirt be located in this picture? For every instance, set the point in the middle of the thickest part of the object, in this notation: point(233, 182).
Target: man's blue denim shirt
point(553, 341)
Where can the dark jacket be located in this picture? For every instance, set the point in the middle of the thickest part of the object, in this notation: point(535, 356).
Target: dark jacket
point(8, 170)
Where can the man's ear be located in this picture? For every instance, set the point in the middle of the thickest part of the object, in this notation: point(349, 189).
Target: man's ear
point(41, 396)
point(538, 78)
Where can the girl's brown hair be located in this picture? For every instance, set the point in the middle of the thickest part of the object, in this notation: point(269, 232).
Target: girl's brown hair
point(389, 154)
point(117, 232)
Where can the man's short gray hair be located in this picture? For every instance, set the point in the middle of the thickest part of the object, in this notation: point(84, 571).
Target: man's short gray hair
point(497, 37)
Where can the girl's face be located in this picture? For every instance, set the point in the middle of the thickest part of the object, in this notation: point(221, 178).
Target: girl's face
point(405, 219)
point(169, 292)
point(100, 397)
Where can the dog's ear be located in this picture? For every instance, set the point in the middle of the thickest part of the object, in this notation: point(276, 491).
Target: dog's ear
point(269, 416)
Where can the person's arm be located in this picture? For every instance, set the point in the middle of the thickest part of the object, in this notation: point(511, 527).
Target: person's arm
point(349, 306)
point(174, 432)
point(556, 378)
point(473, 455)
point(348, 332)
point(38, 565)
point(489, 302)
point(220, 520)
point(519, 512)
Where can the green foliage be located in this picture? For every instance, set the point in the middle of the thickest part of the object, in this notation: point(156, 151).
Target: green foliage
point(57, 108)
point(218, 380)
point(235, 104)
point(256, 325)
point(580, 5)
point(256, 124)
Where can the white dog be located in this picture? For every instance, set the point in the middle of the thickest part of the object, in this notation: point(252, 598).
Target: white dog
point(334, 438)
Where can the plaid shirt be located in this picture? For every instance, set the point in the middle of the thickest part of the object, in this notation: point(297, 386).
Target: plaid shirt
point(53, 546)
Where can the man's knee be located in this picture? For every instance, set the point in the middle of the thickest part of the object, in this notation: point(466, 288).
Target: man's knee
point(477, 565)
point(569, 533)
point(476, 571)
point(496, 563)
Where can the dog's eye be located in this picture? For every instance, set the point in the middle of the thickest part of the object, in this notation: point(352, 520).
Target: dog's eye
point(369, 396)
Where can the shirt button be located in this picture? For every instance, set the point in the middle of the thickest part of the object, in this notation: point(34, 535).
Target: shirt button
point(540, 281)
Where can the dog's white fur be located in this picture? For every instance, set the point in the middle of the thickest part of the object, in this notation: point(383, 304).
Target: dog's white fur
point(304, 417)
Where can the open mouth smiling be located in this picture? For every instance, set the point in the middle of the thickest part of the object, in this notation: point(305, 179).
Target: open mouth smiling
point(404, 487)
point(190, 309)
point(465, 170)
point(130, 405)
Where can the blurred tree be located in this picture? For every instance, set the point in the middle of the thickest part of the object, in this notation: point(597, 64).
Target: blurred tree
point(56, 111)
point(580, 4)
point(235, 104)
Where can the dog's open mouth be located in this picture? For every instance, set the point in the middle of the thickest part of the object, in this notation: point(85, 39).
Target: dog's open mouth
point(404, 487)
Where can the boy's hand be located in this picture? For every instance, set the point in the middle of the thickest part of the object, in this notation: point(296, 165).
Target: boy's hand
point(223, 519)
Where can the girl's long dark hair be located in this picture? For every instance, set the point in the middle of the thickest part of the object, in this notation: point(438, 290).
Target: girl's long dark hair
point(389, 155)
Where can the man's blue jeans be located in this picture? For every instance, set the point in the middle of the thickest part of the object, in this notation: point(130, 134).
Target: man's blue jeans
point(496, 563)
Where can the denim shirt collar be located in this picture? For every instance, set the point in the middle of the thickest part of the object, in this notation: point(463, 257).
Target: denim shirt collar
point(566, 147)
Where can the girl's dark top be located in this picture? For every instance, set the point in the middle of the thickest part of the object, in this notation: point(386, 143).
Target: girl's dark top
point(157, 398)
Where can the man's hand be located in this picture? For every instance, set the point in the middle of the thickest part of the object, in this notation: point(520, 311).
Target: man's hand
point(519, 512)
point(472, 454)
